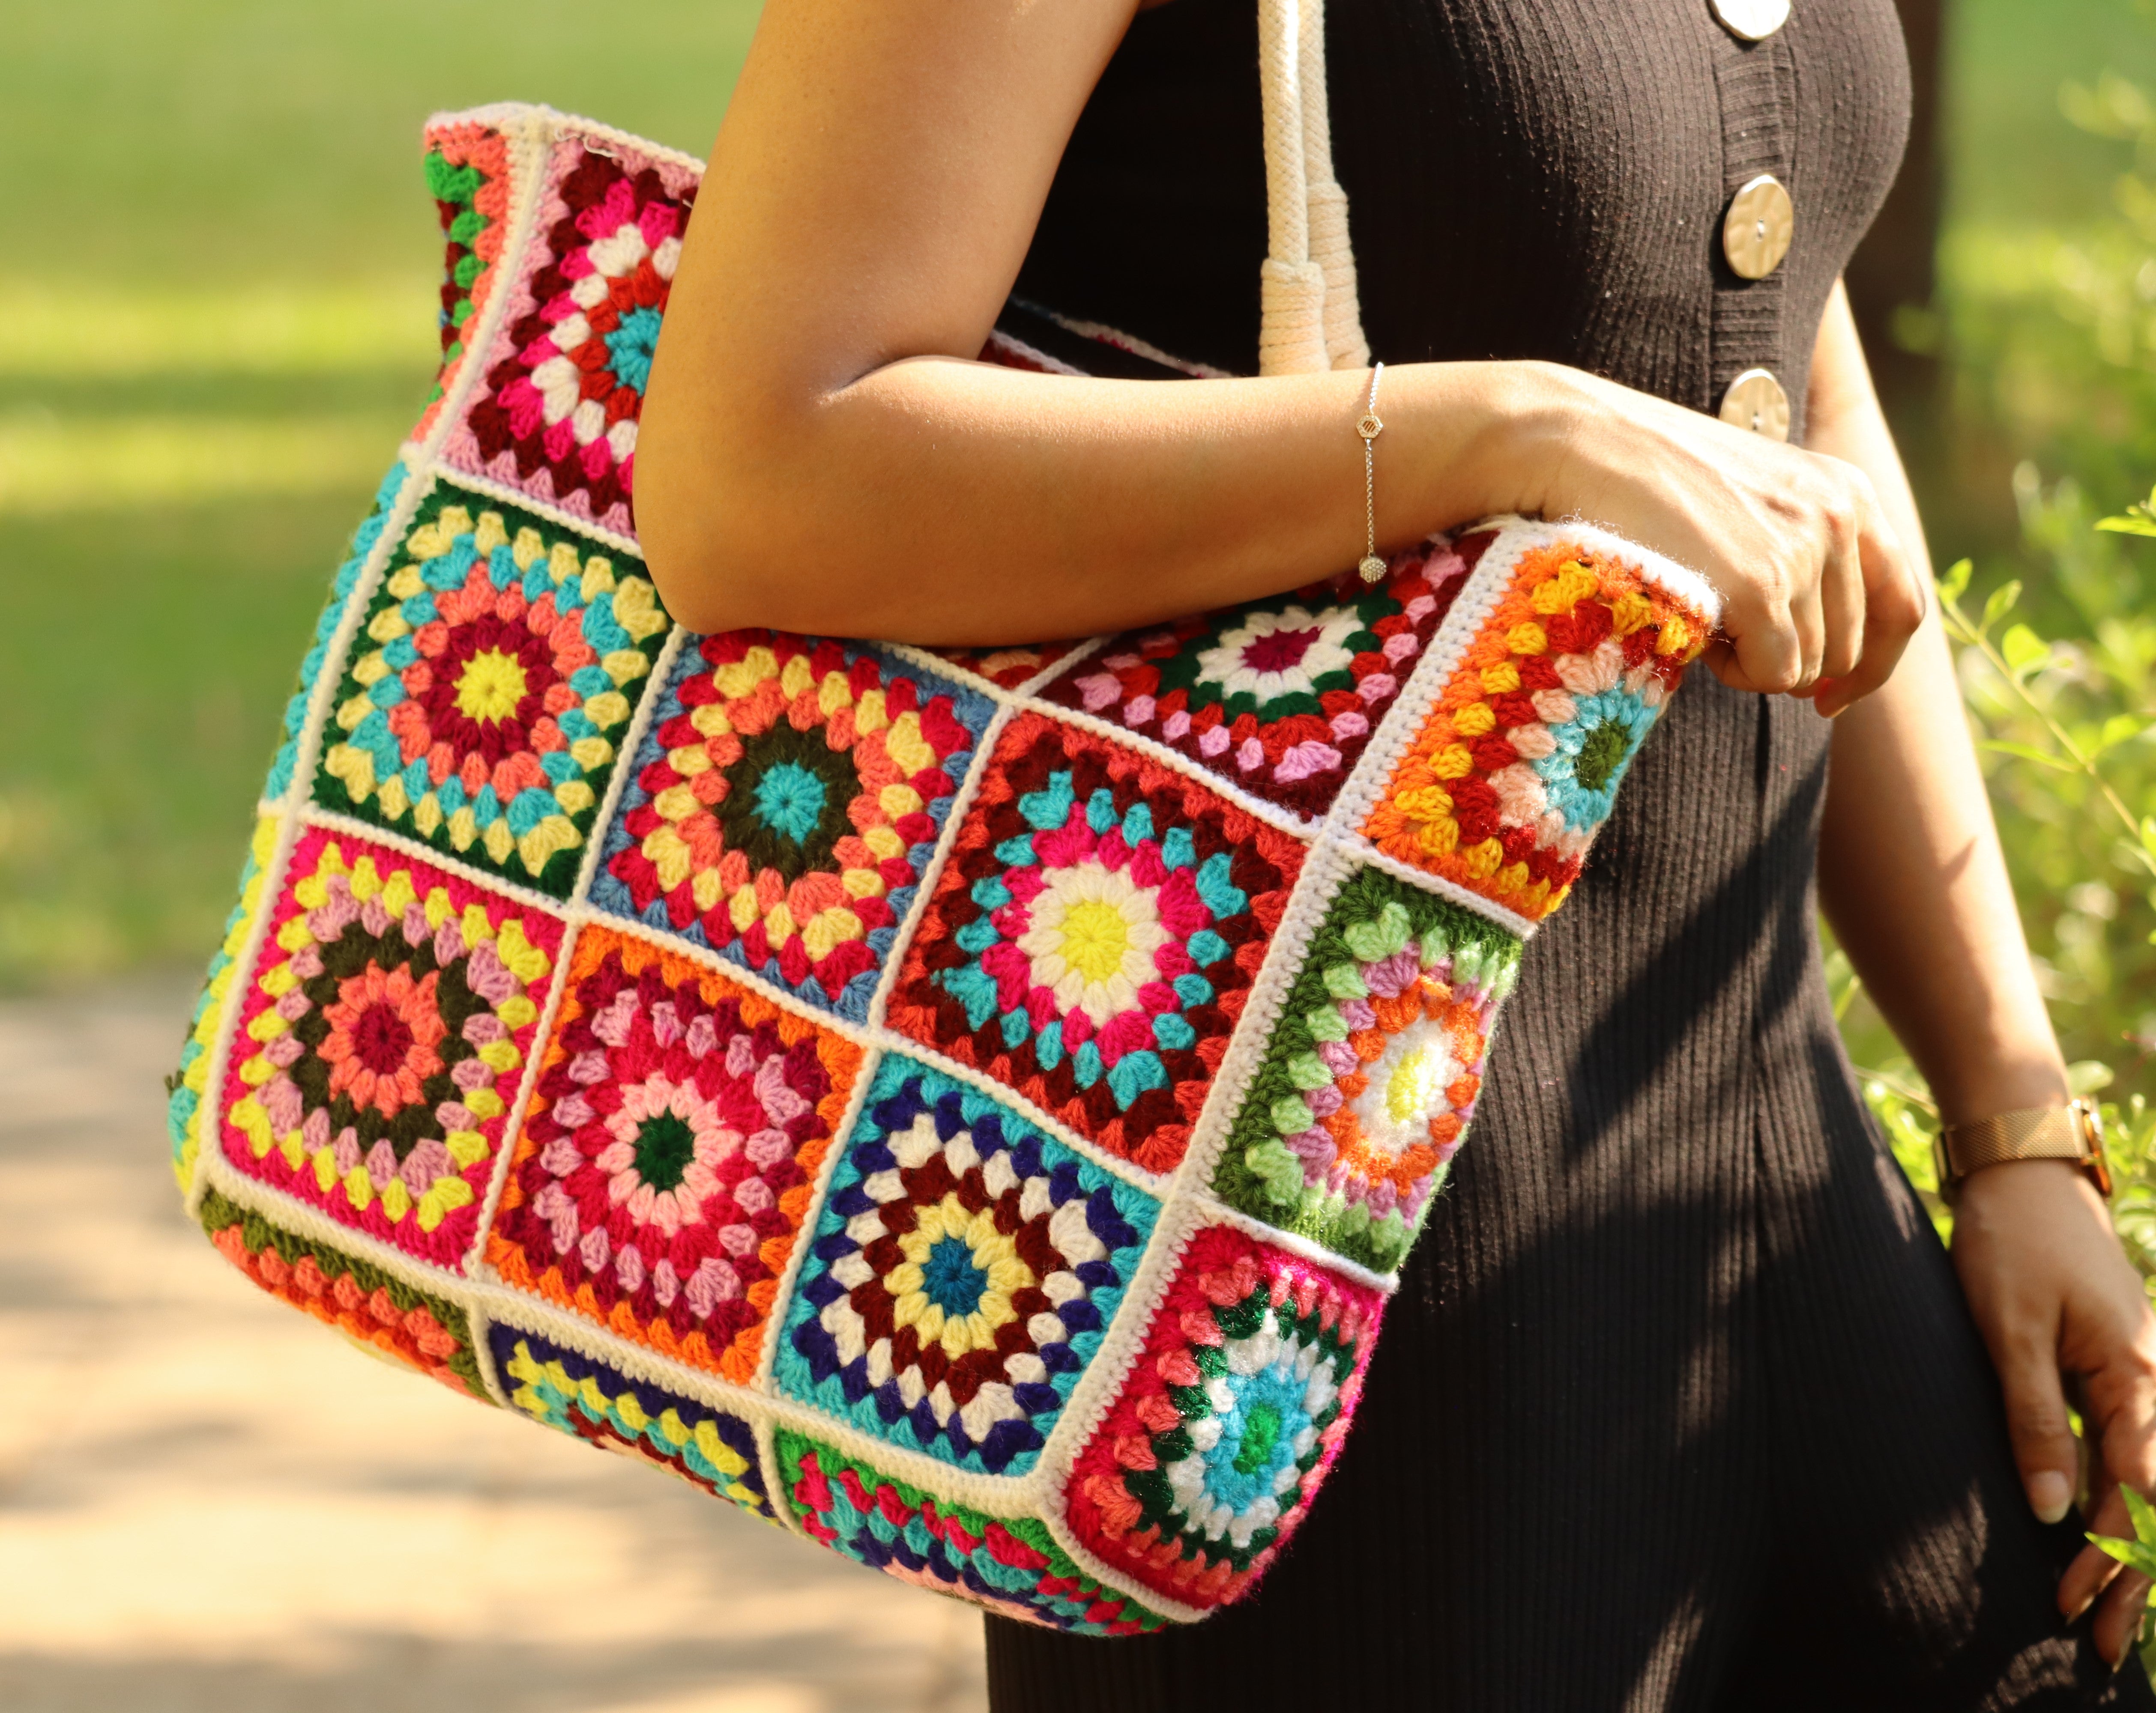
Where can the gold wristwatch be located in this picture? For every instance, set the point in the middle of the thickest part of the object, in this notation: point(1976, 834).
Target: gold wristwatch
point(2073, 1131)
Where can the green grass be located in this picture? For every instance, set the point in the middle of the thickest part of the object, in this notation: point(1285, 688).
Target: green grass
point(216, 297)
point(219, 300)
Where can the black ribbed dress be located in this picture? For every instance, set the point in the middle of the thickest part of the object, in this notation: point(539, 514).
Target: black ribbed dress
point(1679, 1406)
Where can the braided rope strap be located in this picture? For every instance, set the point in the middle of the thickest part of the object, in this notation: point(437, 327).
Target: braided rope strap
point(966, 1107)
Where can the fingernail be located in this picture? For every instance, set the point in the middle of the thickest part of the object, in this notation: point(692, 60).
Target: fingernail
point(2050, 1494)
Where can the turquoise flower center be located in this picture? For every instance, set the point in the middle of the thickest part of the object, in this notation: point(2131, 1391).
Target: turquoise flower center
point(951, 1280)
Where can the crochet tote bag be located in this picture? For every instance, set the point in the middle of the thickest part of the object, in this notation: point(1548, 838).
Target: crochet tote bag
point(968, 1107)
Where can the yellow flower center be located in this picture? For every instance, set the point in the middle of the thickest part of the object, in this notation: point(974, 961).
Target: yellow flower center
point(491, 686)
point(1411, 1091)
point(1094, 938)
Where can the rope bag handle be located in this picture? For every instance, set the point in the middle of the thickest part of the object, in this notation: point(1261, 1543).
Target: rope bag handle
point(1311, 318)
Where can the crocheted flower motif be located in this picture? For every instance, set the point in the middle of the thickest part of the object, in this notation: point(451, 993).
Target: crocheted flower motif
point(785, 802)
point(1279, 696)
point(668, 1157)
point(341, 585)
point(361, 1301)
point(380, 1048)
point(1012, 1565)
point(1094, 935)
point(1369, 1079)
point(964, 1273)
point(1230, 1417)
point(565, 385)
point(483, 718)
point(1005, 668)
point(468, 174)
point(708, 1447)
point(1504, 788)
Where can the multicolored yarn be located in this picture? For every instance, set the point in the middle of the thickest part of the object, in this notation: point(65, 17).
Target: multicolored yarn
point(1279, 696)
point(967, 1107)
point(564, 385)
point(387, 1023)
point(1518, 764)
point(1233, 1413)
point(481, 711)
point(665, 1172)
point(468, 171)
point(189, 1081)
point(347, 579)
point(1013, 1565)
point(1094, 937)
point(711, 1448)
point(1369, 1081)
point(964, 1271)
point(372, 1307)
point(786, 803)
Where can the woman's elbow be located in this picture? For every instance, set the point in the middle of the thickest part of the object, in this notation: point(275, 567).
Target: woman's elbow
point(701, 528)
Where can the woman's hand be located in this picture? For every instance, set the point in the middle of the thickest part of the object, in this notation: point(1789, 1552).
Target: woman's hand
point(2052, 1293)
point(1820, 596)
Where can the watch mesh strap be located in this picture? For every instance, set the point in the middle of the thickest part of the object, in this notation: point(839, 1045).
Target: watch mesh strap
point(2048, 1133)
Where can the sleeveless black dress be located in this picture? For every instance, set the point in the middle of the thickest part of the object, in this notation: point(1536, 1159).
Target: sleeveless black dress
point(1679, 1405)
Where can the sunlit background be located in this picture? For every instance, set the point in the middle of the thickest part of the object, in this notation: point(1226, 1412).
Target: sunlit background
point(216, 318)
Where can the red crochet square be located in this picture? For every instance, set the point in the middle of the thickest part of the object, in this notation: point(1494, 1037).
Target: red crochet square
point(1094, 934)
point(1228, 1421)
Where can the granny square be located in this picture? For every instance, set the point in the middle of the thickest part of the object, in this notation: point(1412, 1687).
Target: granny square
point(964, 1271)
point(557, 410)
point(361, 1301)
point(1369, 1078)
point(496, 673)
point(1229, 1419)
point(1279, 696)
point(382, 1041)
point(708, 1447)
point(666, 1164)
point(785, 803)
point(1011, 1565)
point(1517, 766)
point(1094, 934)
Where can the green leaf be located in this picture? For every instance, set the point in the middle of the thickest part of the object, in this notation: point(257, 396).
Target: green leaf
point(1955, 583)
point(2130, 1553)
point(2025, 652)
point(2131, 523)
point(2000, 603)
point(2148, 834)
point(2029, 752)
point(2120, 728)
point(2143, 1513)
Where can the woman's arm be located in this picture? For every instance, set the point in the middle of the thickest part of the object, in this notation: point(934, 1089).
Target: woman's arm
point(819, 451)
point(1912, 877)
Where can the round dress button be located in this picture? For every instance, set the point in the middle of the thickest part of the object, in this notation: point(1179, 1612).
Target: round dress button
point(1755, 400)
point(1756, 230)
point(1755, 20)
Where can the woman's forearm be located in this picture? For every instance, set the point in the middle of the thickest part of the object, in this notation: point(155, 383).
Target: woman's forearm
point(1910, 873)
point(943, 500)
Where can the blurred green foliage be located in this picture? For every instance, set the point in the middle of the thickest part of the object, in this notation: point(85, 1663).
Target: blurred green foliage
point(2046, 324)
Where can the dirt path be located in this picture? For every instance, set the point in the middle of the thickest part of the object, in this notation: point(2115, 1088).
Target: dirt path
point(208, 1501)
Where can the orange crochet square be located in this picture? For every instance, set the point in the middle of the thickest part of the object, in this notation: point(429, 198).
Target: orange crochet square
point(1519, 762)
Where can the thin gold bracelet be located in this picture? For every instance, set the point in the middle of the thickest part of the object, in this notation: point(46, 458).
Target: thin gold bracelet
point(1369, 428)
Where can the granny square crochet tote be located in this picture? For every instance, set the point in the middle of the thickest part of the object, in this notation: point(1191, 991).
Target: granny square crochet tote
point(965, 1106)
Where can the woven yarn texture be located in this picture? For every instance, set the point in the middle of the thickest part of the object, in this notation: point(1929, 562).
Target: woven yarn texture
point(966, 1107)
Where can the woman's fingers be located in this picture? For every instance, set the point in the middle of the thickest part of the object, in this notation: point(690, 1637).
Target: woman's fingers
point(2044, 1449)
point(1893, 606)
